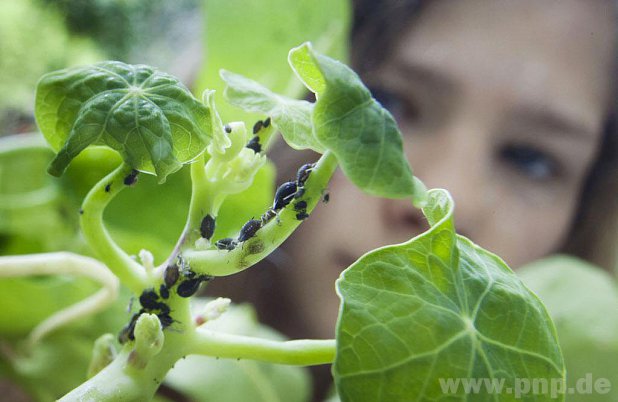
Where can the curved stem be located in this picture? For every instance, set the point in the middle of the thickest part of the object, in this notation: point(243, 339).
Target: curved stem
point(63, 263)
point(130, 273)
point(270, 236)
point(202, 202)
point(301, 352)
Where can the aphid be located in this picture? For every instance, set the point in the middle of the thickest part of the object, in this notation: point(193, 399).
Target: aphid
point(207, 228)
point(226, 243)
point(326, 198)
point(170, 276)
point(302, 215)
point(268, 216)
point(303, 173)
point(190, 286)
point(254, 144)
point(300, 206)
point(257, 126)
point(81, 211)
point(164, 308)
point(249, 229)
point(266, 122)
point(227, 128)
point(165, 319)
point(149, 299)
point(108, 187)
point(164, 291)
point(284, 194)
point(131, 178)
point(127, 333)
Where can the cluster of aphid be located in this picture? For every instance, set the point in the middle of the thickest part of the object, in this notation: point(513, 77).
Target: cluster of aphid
point(284, 195)
point(187, 283)
point(254, 142)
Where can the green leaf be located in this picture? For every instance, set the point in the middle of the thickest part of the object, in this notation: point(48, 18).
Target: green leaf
point(355, 127)
point(583, 302)
point(292, 117)
point(438, 307)
point(252, 38)
point(146, 115)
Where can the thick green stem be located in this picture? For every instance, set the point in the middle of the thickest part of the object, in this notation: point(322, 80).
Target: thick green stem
point(302, 352)
point(130, 273)
point(122, 380)
point(270, 236)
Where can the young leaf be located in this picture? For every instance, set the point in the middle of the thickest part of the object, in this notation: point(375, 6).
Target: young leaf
point(291, 116)
point(414, 315)
point(146, 115)
point(253, 38)
point(355, 127)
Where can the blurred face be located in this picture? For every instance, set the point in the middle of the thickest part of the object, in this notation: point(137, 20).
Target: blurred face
point(500, 102)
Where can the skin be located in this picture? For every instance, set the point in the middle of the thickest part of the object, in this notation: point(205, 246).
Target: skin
point(505, 115)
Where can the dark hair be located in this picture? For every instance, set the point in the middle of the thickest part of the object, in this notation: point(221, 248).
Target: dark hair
point(593, 234)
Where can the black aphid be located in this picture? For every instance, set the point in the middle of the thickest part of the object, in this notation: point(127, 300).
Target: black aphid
point(149, 299)
point(188, 287)
point(108, 187)
point(266, 122)
point(164, 291)
point(257, 126)
point(284, 194)
point(268, 216)
point(207, 228)
point(170, 276)
point(164, 308)
point(227, 128)
point(326, 198)
point(302, 215)
point(226, 243)
point(131, 178)
point(254, 144)
point(165, 319)
point(300, 206)
point(127, 333)
point(81, 211)
point(303, 173)
point(249, 229)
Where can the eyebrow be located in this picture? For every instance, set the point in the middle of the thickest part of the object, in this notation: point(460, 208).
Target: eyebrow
point(554, 122)
point(425, 75)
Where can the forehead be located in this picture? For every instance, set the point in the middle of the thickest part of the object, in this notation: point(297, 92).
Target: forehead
point(532, 50)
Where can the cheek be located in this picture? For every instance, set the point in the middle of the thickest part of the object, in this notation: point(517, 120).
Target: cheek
point(521, 231)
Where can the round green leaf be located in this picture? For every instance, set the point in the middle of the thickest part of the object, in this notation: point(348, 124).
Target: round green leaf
point(148, 116)
point(436, 308)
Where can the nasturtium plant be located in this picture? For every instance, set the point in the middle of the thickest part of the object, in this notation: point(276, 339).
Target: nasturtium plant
point(436, 306)
point(354, 126)
point(148, 116)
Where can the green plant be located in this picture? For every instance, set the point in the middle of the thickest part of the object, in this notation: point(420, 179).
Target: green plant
point(435, 307)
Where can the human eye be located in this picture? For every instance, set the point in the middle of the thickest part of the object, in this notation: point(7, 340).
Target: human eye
point(402, 108)
point(531, 162)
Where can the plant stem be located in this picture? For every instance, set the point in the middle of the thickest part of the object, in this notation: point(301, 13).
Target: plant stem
point(270, 236)
point(301, 352)
point(130, 273)
point(63, 263)
point(204, 200)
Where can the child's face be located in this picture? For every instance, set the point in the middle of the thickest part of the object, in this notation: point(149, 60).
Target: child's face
point(501, 102)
